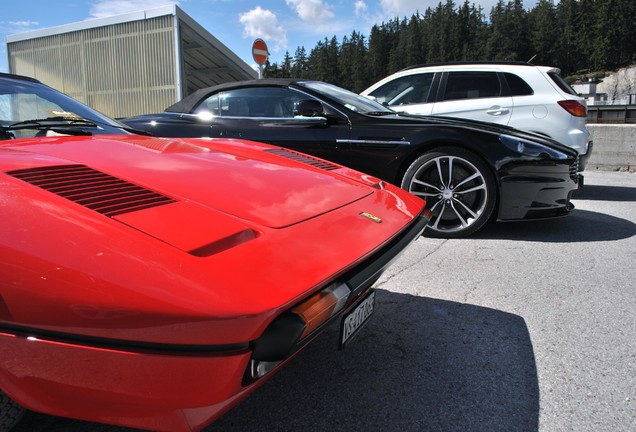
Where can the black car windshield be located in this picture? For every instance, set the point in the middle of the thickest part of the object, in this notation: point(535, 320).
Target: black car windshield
point(352, 101)
point(27, 107)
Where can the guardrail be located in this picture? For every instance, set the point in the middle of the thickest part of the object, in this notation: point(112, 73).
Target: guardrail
point(611, 114)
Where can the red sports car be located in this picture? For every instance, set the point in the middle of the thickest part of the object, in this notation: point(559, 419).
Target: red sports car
point(155, 282)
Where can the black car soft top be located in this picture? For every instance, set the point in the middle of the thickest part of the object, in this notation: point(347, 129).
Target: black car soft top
point(188, 103)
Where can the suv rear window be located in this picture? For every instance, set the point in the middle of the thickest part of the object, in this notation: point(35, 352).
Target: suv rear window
point(561, 83)
point(518, 87)
point(472, 85)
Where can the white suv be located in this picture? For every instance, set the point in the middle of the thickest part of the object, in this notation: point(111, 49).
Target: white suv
point(521, 95)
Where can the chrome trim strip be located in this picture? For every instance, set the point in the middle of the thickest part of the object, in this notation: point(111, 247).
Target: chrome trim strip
point(356, 141)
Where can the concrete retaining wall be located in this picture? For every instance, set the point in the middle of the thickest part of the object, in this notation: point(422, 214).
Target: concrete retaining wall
point(614, 147)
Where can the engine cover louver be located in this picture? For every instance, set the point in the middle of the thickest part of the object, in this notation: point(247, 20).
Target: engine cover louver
point(93, 189)
point(303, 158)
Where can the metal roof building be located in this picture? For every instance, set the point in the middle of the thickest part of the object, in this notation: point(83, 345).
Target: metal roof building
point(128, 64)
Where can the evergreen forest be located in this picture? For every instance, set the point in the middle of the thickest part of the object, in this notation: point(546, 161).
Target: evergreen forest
point(581, 37)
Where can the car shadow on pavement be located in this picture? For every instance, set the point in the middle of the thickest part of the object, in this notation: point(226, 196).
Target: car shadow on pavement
point(420, 364)
point(36, 422)
point(579, 226)
point(606, 193)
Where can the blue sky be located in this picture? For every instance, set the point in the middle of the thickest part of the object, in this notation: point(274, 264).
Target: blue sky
point(283, 24)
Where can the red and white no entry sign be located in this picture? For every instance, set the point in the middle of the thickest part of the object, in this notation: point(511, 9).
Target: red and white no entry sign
point(259, 51)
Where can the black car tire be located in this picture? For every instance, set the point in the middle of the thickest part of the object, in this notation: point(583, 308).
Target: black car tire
point(458, 187)
point(10, 413)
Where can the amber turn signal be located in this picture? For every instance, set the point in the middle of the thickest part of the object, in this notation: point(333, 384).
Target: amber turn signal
point(317, 309)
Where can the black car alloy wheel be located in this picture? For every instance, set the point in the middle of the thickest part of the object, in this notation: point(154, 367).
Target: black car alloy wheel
point(459, 189)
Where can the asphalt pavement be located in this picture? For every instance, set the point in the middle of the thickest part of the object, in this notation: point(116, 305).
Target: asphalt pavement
point(525, 326)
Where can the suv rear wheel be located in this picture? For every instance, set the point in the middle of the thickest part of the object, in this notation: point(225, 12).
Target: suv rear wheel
point(458, 187)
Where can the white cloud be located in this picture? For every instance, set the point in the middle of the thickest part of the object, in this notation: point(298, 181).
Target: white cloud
point(360, 7)
point(403, 7)
point(15, 27)
point(311, 11)
point(106, 8)
point(263, 23)
point(23, 24)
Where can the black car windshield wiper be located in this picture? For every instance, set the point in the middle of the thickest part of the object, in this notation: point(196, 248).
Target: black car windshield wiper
point(52, 121)
point(67, 125)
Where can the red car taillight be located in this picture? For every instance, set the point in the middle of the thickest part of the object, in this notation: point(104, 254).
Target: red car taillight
point(284, 333)
point(573, 107)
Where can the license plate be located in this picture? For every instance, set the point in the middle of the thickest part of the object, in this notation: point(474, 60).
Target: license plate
point(354, 320)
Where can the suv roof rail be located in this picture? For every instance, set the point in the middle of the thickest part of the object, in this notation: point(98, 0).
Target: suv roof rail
point(514, 63)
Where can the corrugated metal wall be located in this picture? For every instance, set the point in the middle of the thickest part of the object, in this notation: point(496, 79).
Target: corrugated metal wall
point(121, 70)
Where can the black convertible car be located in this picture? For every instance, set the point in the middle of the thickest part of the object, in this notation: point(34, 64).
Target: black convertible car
point(467, 171)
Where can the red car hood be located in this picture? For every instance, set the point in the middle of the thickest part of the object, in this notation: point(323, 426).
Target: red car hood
point(228, 176)
point(216, 248)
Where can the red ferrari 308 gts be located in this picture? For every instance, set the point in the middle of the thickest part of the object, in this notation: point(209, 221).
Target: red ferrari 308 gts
point(152, 282)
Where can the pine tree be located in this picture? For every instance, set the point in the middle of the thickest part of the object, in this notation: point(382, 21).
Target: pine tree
point(352, 63)
point(603, 51)
point(398, 53)
point(379, 48)
point(471, 28)
point(414, 48)
point(569, 50)
point(323, 61)
point(622, 14)
point(299, 66)
point(286, 66)
point(543, 32)
point(574, 35)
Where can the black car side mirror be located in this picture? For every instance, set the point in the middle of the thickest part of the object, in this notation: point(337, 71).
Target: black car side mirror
point(309, 108)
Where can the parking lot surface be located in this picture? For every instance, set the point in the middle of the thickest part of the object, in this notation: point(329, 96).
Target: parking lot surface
point(524, 327)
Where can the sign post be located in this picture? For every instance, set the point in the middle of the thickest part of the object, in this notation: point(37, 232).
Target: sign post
point(260, 55)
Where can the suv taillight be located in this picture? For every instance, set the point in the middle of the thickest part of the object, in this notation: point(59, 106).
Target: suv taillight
point(573, 107)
